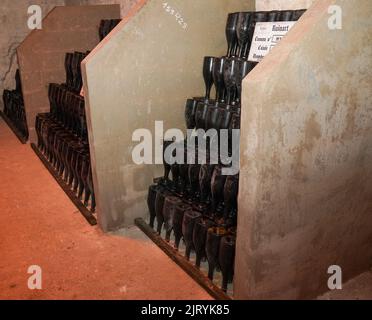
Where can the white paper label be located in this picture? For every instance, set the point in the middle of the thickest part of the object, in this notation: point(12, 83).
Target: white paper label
point(266, 36)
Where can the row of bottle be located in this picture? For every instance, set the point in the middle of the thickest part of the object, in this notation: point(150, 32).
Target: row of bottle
point(14, 107)
point(106, 26)
point(74, 81)
point(226, 76)
point(210, 234)
point(241, 26)
point(199, 204)
point(68, 109)
point(68, 155)
point(62, 133)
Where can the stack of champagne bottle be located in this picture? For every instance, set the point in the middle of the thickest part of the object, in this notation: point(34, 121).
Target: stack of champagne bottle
point(62, 133)
point(199, 204)
point(14, 108)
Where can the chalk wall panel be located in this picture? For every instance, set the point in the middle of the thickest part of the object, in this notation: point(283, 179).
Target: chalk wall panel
point(306, 158)
point(144, 71)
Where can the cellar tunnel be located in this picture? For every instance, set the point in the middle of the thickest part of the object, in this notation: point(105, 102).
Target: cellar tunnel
point(100, 70)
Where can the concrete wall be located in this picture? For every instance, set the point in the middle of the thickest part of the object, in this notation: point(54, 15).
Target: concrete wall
point(42, 54)
point(144, 71)
point(266, 5)
point(306, 158)
point(13, 17)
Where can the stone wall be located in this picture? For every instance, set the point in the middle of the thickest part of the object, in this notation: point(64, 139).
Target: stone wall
point(305, 198)
point(266, 5)
point(13, 17)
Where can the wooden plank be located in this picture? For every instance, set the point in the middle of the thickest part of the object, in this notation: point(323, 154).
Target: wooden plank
point(84, 211)
point(190, 269)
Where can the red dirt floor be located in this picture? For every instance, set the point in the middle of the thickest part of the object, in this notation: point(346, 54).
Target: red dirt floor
point(40, 226)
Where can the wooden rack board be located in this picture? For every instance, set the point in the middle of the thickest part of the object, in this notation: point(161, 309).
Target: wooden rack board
point(10, 124)
point(190, 269)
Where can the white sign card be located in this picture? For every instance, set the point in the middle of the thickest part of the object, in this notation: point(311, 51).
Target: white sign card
point(266, 36)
